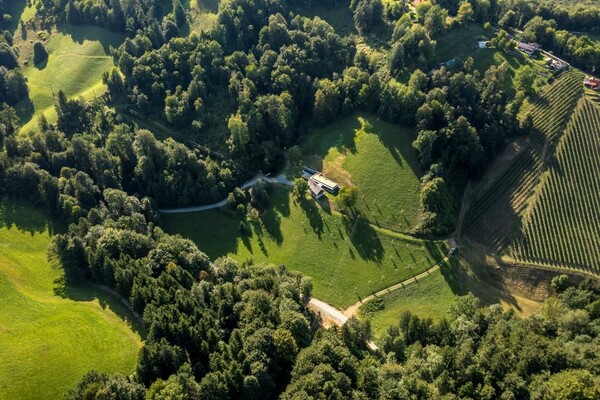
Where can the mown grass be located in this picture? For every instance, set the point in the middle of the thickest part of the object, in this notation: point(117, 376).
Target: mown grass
point(78, 56)
point(378, 158)
point(47, 342)
point(432, 297)
point(308, 238)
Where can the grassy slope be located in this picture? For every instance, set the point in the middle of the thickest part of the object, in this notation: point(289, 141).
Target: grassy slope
point(309, 239)
point(431, 298)
point(46, 342)
point(78, 56)
point(378, 158)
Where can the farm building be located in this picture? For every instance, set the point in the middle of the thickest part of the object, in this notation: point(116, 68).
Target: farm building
point(591, 83)
point(528, 48)
point(325, 183)
point(316, 191)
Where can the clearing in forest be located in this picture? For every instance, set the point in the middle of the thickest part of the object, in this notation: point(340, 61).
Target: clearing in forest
point(347, 258)
point(48, 342)
point(376, 157)
point(78, 56)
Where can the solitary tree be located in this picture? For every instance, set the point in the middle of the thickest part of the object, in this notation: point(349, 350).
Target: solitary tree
point(347, 197)
point(300, 187)
point(39, 53)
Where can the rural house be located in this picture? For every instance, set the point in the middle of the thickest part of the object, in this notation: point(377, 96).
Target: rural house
point(591, 83)
point(528, 48)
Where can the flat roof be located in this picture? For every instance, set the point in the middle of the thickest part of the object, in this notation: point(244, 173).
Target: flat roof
point(319, 178)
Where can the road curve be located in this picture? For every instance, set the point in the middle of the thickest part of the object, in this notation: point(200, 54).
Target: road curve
point(281, 179)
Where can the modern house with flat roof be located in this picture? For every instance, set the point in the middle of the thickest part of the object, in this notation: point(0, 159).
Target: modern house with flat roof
point(325, 183)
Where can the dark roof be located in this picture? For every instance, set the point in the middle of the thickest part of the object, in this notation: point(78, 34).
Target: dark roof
point(528, 46)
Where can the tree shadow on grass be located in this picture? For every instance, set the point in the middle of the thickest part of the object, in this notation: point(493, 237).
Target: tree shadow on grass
point(314, 216)
point(90, 292)
point(271, 221)
point(364, 237)
point(26, 218)
point(81, 33)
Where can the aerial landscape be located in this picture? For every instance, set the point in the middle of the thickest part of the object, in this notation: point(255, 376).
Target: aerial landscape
point(294, 199)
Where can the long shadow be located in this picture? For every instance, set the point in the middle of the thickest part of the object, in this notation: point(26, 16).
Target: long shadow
point(25, 109)
point(314, 217)
point(89, 292)
point(281, 202)
point(81, 33)
point(26, 218)
point(272, 224)
point(364, 238)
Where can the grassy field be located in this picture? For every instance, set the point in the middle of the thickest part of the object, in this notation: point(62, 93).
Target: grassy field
point(430, 298)
point(378, 158)
point(563, 225)
point(47, 342)
point(78, 56)
point(308, 238)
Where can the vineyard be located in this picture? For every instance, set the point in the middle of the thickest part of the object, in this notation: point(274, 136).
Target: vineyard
point(563, 226)
point(496, 208)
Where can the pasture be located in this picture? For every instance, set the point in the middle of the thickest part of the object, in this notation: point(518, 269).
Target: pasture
point(432, 297)
point(376, 157)
point(347, 258)
point(48, 342)
point(78, 56)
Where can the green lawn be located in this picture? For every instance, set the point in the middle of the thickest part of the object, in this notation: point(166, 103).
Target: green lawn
point(432, 297)
point(78, 56)
point(47, 342)
point(378, 158)
point(309, 239)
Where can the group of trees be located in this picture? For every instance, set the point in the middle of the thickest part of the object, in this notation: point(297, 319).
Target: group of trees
point(13, 85)
point(70, 164)
point(264, 337)
point(160, 20)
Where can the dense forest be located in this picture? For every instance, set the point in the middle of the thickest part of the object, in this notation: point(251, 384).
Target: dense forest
point(216, 329)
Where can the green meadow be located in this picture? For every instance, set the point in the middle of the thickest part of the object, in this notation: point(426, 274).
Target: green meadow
point(78, 56)
point(347, 258)
point(432, 297)
point(48, 342)
point(377, 157)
